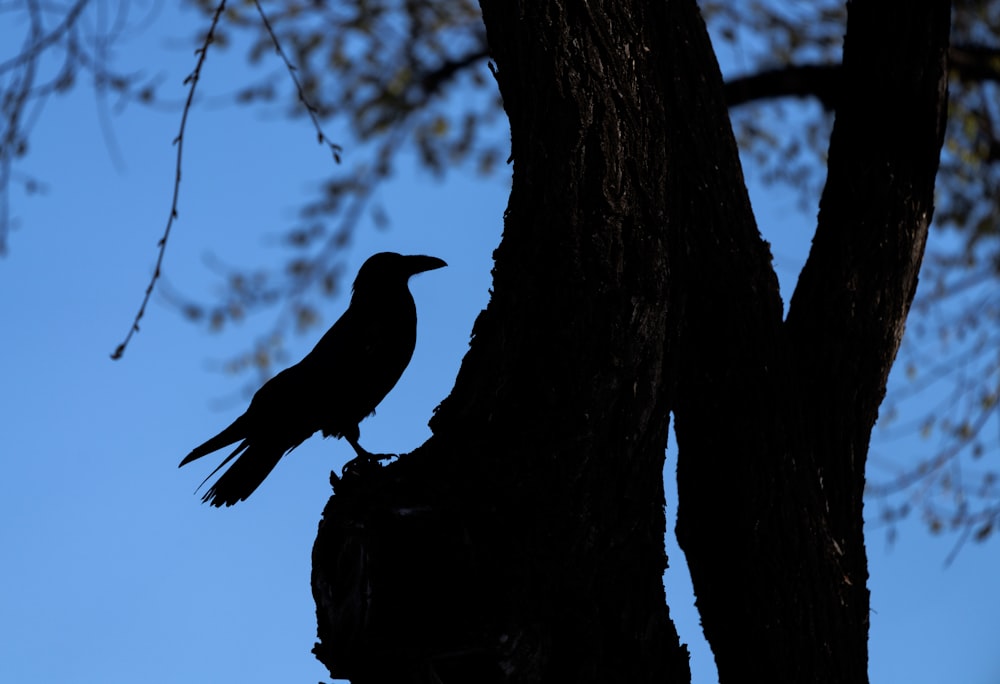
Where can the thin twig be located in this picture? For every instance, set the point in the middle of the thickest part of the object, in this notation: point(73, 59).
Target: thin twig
point(321, 136)
point(192, 81)
point(40, 42)
point(966, 532)
point(927, 468)
point(16, 97)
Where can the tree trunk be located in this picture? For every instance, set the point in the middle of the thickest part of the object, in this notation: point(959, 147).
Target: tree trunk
point(777, 555)
point(524, 541)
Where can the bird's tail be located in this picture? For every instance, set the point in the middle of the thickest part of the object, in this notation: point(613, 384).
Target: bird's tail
point(230, 435)
point(244, 476)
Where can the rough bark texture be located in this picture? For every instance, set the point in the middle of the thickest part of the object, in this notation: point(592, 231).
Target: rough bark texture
point(524, 541)
point(778, 561)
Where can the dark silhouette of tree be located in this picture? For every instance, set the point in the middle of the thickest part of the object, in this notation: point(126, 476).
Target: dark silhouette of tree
point(523, 541)
point(412, 77)
point(948, 355)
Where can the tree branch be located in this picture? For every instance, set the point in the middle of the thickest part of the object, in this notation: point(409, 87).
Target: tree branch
point(846, 317)
point(974, 62)
point(15, 98)
point(192, 82)
point(432, 81)
point(42, 42)
point(322, 138)
point(821, 81)
point(969, 62)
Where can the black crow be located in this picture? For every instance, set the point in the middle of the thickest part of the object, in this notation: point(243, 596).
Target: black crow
point(334, 387)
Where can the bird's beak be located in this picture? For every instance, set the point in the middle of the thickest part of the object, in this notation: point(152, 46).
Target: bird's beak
point(419, 263)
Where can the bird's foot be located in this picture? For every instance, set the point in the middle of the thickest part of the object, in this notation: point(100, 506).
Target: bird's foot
point(365, 463)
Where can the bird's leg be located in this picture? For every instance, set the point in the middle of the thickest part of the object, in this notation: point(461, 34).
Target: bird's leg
point(365, 458)
point(352, 439)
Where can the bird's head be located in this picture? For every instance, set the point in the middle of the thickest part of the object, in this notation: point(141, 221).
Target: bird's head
point(388, 269)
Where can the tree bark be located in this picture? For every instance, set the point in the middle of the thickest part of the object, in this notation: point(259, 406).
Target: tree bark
point(524, 541)
point(780, 571)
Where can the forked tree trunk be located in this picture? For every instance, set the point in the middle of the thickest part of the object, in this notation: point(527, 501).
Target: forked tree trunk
point(524, 541)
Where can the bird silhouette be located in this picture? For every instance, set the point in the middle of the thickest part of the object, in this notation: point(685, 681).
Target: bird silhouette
point(336, 385)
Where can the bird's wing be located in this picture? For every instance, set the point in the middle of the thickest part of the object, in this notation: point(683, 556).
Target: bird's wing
point(354, 366)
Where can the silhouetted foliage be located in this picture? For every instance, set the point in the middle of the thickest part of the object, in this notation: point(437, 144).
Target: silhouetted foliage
point(632, 284)
point(411, 79)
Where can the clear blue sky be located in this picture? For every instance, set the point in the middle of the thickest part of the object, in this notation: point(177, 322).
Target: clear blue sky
point(113, 571)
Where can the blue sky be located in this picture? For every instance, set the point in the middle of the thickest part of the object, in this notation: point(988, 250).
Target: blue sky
point(114, 571)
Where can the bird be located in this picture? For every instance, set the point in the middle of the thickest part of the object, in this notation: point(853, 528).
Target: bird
point(333, 388)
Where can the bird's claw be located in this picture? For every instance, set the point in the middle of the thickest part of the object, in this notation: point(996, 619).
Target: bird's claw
point(365, 463)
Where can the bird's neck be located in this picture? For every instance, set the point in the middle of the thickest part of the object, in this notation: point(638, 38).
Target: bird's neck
point(383, 296)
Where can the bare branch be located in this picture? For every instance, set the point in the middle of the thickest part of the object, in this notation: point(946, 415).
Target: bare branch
point(974, 62)
point(939, 460)
point(432, 81)
point(12, 142)
point(40, 42)
point(321, 136)
point(821, 81)
point(192, 82)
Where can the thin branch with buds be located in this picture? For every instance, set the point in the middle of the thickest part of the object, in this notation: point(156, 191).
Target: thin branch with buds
point(321, 136)
point(41, 43)
point(192, 82)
